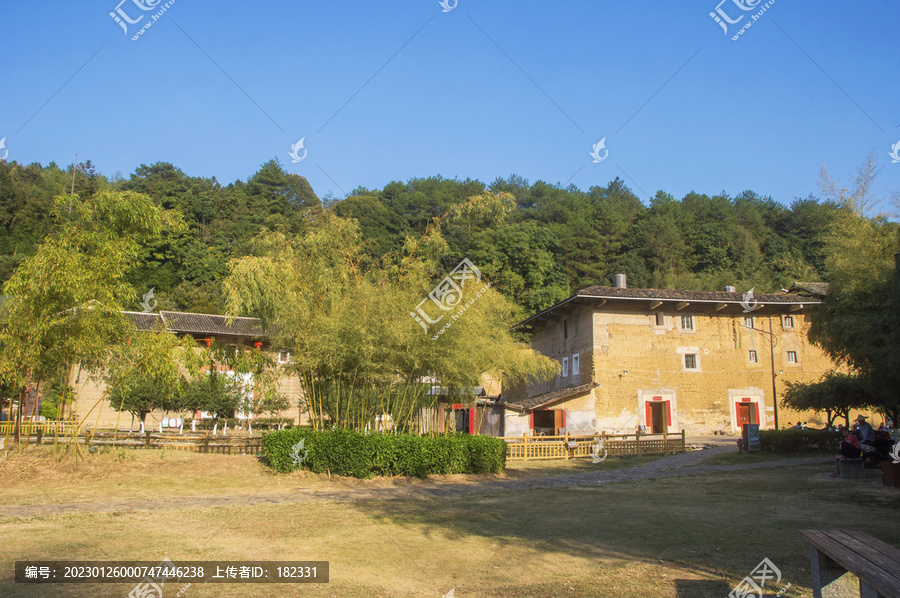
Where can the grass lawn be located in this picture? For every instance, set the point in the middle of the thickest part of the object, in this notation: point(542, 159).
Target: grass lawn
point(693, 536)
point(42, 475)
point(735, 458)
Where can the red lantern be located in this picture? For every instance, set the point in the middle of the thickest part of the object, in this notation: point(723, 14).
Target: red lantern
point(258, 345)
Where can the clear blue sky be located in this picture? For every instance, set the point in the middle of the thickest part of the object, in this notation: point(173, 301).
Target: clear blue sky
point(386, 91)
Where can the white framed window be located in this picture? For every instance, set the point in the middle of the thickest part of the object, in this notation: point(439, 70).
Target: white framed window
point(284, 357)
point(660, 318)
point(687, 322)
point(748, 321)
point(576, 364)
point(565, 367)
point(690, 361)
point(753, 358)
point(792, 357)
point(788, 322)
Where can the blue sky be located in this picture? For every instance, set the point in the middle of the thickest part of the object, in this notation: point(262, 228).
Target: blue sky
point(390, 91)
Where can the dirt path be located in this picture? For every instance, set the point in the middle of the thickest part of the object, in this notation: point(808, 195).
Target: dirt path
point(688, 463)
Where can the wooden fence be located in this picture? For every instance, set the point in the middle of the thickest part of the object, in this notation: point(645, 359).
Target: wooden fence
point(572, 446)
point(44, 432)
point(193, 443)
point(45, 428)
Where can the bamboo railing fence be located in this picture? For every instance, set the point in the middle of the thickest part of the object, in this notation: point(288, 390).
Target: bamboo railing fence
point(570, 446)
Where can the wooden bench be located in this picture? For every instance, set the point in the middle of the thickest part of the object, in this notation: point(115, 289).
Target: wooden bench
point(836, 553)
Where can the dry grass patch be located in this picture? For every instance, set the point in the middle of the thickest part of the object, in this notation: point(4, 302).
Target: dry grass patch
point(44, 475)
point(687, 537)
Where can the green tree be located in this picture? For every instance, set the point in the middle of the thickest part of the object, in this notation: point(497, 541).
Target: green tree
point(356, 349)
point(145, 372)
point(835, 395)
point(65, 301)
point(858, 324)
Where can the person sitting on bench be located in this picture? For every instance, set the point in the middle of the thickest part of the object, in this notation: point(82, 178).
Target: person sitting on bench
point(850, 448)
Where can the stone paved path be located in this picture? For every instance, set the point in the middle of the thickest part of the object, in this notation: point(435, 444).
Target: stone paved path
point(675, 465)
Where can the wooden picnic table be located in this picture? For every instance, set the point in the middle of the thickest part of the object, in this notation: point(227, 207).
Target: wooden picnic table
point(835, 553)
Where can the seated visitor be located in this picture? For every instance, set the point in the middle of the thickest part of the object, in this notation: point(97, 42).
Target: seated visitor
point(850, 447)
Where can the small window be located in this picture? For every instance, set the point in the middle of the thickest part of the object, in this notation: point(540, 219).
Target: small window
point(660, 319)
point(687, 322)
point(788, 321)
point(690, 361)
point(565, 367)
point(576, 364)
point(792, 357)
point(565, 329)
point(284, 356)
point(753, 357)
point(748, 321)
point(577, 327)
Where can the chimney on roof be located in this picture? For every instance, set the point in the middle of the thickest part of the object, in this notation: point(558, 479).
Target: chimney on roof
point(730, 289)
point(619, 281)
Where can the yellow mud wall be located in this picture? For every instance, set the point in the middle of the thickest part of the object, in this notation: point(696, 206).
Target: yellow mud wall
point(635, 360)
point(96, 411)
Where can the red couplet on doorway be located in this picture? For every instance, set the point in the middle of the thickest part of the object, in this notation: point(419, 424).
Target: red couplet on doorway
point(654, 414)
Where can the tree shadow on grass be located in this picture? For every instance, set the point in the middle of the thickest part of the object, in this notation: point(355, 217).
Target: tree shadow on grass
point(719, 526)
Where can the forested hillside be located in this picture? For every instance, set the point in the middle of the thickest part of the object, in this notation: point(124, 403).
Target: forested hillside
point(556, 240)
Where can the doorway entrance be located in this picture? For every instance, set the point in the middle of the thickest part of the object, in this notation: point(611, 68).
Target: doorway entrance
point(746, 412)
point(659, 415)
point(547, 422)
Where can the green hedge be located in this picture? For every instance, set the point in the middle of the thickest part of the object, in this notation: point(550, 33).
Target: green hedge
point(349, 453)
point(797, 441)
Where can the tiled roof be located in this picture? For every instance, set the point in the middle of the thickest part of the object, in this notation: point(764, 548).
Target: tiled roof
point(713, 296)
point(548, 397)
point(183, 322)
point(144, 321)
point(696, 298)
point(197, 324)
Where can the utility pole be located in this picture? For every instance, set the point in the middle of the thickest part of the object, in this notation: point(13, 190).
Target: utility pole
point(772, 361)
point(772, 356)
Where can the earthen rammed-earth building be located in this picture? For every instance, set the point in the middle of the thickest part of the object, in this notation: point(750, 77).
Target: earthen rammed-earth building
point(665, 360)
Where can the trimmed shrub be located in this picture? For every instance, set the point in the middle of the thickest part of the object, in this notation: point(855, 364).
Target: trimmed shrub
point(797, 441)
point(344, 452)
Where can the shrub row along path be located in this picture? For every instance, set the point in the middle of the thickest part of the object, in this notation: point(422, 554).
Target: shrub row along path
point(680, 464)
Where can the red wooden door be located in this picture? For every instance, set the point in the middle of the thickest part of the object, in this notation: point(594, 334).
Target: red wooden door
point(747, 413)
